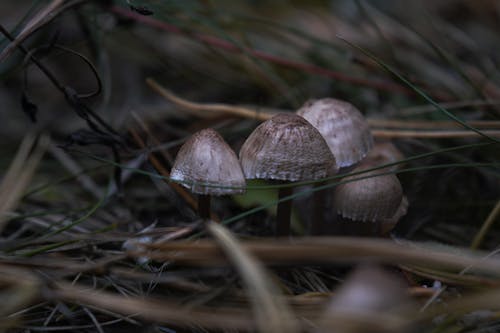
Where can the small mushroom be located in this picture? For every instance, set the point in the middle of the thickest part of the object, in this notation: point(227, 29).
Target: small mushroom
point(343, 126)
point(375, 201)
point(208, 166)
point(370, 300)
point(348, 136)
point(384, 152)
point(289, 149)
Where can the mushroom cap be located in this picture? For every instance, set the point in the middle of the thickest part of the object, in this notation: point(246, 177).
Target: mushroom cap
point(388, 224)
point(384, 153)
point(208, 165)
point(286, 147)
point(370, 288)
point(367, 297)
point(370, 199)
point(343, 126)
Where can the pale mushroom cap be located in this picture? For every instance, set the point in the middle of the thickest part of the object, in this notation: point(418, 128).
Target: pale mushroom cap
point(370, 288)
point(208, 165)
point(368, 301)
point(286, 147)
point(370, 199)
point(343, 126)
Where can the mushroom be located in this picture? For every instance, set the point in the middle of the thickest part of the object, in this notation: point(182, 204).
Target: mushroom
point(370, 300)
point(344, 128)
point(384, 152)
point(348, 136)
point(289, 149)
point(375, 201)
point(208, 166)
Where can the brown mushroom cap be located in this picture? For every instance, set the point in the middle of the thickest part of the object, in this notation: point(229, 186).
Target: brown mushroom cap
point(342, 125)
point(384, 153)
point(370, 199)
point(388, 224)
point(208, 165)
point(286, 147)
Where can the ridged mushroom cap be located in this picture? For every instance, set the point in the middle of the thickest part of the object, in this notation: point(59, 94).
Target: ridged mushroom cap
point(342, 125)
point(208, 165)
point(286, 147)
point(370, 199)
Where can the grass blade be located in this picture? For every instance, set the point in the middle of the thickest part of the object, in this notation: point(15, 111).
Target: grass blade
point(271, 313)
point(417, 90)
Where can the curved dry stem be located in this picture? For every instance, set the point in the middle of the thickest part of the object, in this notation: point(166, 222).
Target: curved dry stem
point(271, 312)
point(213, 108)
point(429, 130)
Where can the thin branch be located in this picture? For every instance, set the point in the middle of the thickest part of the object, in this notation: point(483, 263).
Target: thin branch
point(488, 223)
point(412, 124)
point(437, 133)
point(202, 109)
point(46, 15)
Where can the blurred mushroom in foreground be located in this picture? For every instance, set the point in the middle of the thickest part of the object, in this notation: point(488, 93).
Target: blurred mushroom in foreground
point(289, 149)
point(208, 166)
point(370, 300)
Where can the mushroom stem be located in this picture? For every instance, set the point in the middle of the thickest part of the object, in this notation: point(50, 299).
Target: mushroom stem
point(317, 222)
point(284, 211)
point(204, 206)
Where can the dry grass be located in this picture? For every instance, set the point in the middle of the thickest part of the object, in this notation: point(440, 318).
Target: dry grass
point(94, 236)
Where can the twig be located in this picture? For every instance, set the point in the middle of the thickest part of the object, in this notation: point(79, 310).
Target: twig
point(46, 15)
point(323, 250)
point(93, 319)
point(19, 173)
point(432, 134)
point(30, 27)
point(164, 172)
point(492, 218)
point(411, 124)
point(73, 99)
point(69, 164)
point(380, 133)
point(154, 310)
point(271, 313)
point(166, 155)
point(212, 108)
point(448, 105)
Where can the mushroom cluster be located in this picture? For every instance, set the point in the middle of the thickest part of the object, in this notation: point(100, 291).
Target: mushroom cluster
point(376, 201)
point(325, 137)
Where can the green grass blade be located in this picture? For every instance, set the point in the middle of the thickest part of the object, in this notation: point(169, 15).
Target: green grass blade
point(417, 90)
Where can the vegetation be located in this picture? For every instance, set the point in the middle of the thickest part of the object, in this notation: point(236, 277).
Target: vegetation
point(98, 97)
